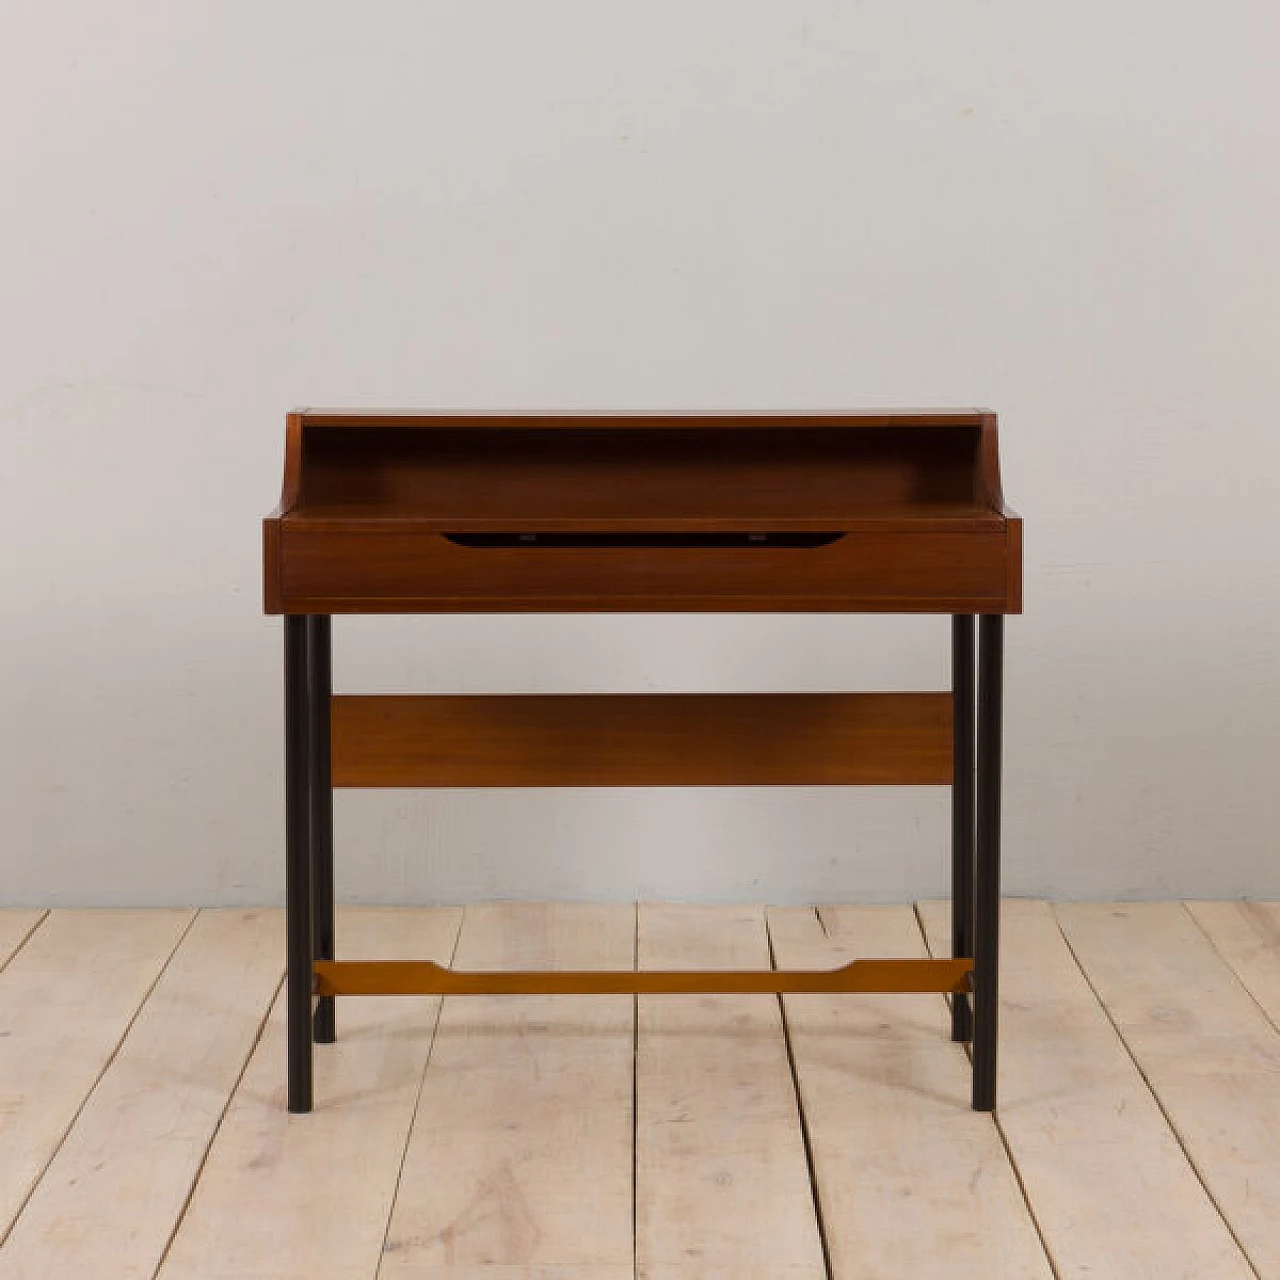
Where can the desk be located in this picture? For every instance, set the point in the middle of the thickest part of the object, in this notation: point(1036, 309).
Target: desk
point(870, 512)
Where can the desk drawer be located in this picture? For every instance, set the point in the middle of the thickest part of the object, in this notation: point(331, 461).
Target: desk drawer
point(370, 570)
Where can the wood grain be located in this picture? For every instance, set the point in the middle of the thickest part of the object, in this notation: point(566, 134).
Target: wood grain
point(1206, 1049)
point(718, 1136)
point(284, 1196)
point(112, 1196)
point(910, 1180)
point(521, 1154)
point(1113, 1193)
point(531, 740)
point(66, 1000)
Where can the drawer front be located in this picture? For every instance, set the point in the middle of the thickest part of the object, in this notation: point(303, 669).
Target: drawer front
point(397, 571)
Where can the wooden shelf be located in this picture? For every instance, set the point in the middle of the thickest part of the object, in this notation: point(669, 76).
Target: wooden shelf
point(641, 739)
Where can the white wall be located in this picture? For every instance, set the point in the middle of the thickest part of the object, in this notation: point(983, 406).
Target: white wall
point(214, 211)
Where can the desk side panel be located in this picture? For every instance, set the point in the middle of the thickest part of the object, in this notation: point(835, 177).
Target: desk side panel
point(272, 592)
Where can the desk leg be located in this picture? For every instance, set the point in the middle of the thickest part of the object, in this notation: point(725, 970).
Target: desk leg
point(297, 861)
point(320, 666)
point(962, 809)
point(986, 920)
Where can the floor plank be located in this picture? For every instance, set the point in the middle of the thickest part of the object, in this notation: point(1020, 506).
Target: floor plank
point(912, 1182)
point(15, 927)
point(520, 1162)
point(1208, 1051)
point(519, 1166)
point(291, 1196)
point(1247, 937)
point(108, 1202)
point(718, 1137)
point(1070, 1101)
point(66, 1001)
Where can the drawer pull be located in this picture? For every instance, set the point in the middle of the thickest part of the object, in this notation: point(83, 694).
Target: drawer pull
point(771, 538)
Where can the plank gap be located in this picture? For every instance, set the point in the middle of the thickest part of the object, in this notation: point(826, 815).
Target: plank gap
point(1155, 1096)
point(1000, 1130)
point(1235, 973)
point(805, 1136)
point(417, 1103)
point(7, 1228)
point(15, 943)
point(222, 1115)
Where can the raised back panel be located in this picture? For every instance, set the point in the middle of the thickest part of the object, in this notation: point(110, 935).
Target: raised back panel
point(657, 477)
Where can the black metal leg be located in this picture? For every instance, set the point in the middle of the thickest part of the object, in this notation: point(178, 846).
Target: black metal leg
point(297, 861)
point(962, 813)
point(320, 664)
point(986, 918)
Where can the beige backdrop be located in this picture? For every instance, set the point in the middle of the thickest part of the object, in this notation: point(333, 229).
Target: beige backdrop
point(214, 211)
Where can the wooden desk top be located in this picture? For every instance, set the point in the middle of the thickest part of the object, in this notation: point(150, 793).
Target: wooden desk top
point(868, 512)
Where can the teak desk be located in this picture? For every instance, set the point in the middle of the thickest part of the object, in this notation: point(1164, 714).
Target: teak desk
point(840, 512)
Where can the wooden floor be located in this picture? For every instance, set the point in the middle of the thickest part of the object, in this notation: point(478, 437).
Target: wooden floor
point(143, 1130)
